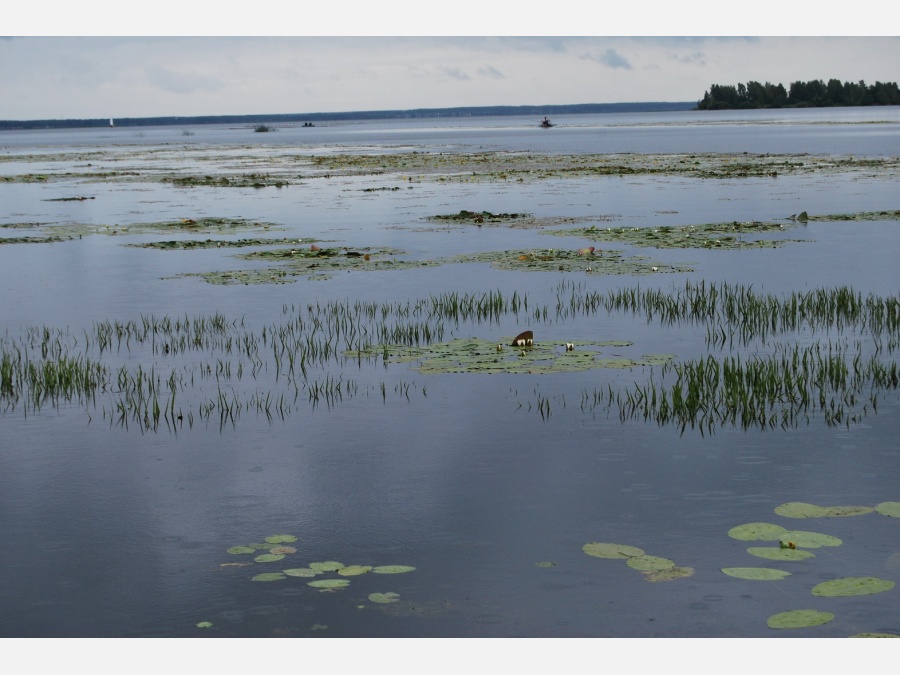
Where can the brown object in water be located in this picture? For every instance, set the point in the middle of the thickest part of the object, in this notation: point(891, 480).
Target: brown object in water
point(522, 339)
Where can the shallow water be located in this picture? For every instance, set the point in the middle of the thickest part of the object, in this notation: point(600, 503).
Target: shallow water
point(115, 531)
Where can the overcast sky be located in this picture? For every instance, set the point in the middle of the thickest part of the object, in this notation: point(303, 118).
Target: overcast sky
point(54, 76)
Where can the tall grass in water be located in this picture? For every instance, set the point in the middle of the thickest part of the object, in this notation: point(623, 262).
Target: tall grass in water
point(143, 367)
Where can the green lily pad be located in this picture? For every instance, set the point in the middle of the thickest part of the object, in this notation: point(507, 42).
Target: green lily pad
point(205, 624)
point(327, 566)
point(799, 618)
point(268, 557)
point(804, 510)
point(354, 570)
point(281, 539)
point(384, 598)
point(647, 563)
point(300, 572)
point(616, 551)
point(891, 509)
point(786, 554)
point(238, 550)
point(478, 355)
point(329, 584)
point(805, 539)
point(269, 576)
point(757, 531)
point(545, 564)
point(852, 586)
point(392, 569)
point(756, 573)
point(282, 550)
point(669, 574)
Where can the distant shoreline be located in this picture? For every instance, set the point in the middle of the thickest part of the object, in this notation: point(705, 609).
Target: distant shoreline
point(469, 111)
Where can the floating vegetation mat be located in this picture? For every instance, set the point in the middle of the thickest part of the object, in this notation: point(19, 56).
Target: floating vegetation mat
point(55, 232)
point(311, 262)
point(477, 355)
point(284, 167)
point(728, 236)
point(579, 260)
point(522, 167)
point(191, 244)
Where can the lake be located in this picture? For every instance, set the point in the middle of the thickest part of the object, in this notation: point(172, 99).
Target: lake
point(267, 384)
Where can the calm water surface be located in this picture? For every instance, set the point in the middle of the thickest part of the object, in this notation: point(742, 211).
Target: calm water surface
point(115, 531)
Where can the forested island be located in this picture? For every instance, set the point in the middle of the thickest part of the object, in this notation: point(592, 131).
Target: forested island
point(813, 94)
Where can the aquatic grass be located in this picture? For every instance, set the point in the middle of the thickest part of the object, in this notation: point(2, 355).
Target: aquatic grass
point(764, 391)
point(822, 352)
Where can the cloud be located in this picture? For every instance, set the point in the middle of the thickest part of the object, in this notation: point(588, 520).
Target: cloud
point(455, 73)
point(693, 59)
point(610, 58)
point(491, 72)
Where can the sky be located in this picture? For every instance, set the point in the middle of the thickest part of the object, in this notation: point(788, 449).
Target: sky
point(79, 65)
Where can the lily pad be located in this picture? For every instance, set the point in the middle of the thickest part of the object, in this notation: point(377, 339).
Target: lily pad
point(282, 550)
point(757, 531)
point(205, 624)
point(281, 539)
point(669, 574)
point(805, 539)
point(891, 509)
point(756, 573)
point(647, 563)
point(269, 576)
point(804, 510)
point(545, 564)
point(327, 566)
point(852, 586)
point(268, 557)
point(392, 569)
point(617, 551)
point(773, 553)
point(354, 570)
point(384, 598)
point(239, 550)
point(300, 572)
point(799, 618)
point(328, 584)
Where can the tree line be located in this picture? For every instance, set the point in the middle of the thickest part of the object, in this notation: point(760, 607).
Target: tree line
point(318, 117)
point(813, 94)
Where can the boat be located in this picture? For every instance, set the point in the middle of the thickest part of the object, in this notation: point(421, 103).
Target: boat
point(546, 123)
point(111, 122)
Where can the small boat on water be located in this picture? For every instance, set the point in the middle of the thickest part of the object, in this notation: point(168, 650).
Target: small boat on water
point(546, 123)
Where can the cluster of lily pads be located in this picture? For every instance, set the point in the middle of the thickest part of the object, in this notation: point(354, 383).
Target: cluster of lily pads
point(791, 547)
point(278, 548)
point(728, 236)
point(654, 568)
point(479, 355)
